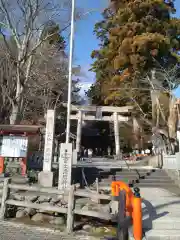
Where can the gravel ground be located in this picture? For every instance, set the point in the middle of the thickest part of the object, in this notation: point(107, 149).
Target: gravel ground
point(14, 231)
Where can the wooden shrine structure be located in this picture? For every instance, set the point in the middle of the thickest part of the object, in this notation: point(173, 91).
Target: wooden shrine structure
point(14, 146)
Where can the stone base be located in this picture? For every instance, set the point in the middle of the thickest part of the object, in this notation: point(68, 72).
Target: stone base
point(45, 179)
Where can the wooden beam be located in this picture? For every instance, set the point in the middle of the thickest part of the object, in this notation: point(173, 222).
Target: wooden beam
point(4, 198)
point(104, 118)
point(70, 211)
point(27, 204)
point(95, 214)
point(109, 109)
point(30, 129)
point(52, 191)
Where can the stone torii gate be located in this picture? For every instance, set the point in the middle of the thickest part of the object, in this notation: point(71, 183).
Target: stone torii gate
point(116, 117)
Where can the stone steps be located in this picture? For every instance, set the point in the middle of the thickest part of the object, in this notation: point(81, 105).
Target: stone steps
point(160, 235)
point(152, 175)
point(146, 180)
point(160, 212)
point(160, 202)
point(143, 184)
point(161, 207)
point(165, 222)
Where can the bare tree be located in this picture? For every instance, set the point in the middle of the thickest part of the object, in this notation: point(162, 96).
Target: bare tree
point(24, 20)
point(160, 113)
point(162, 82)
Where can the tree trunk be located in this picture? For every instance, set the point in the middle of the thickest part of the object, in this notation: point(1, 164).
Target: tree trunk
point(173, 118)
point(14, 114)
point(14, 117)
point(154, 100)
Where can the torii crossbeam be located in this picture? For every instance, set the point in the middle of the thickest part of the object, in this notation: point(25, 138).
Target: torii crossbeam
point(116, 117)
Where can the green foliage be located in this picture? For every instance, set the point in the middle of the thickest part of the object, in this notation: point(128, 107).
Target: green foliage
point(134, 35)
point(51, 34)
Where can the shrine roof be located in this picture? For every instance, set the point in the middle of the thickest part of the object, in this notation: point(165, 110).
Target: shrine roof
point(20, 129)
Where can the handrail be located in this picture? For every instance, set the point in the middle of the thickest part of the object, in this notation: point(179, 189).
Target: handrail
point(133, 206)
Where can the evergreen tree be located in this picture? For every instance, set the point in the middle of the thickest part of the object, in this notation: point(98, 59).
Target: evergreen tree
point(135, 35)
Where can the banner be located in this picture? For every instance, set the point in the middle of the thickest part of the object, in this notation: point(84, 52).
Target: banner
point(13, 146)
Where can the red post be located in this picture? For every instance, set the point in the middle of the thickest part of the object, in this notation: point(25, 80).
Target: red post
point(23, 166)
point(133, 206)
point(1, 165)
point(116, 187)
point(137, 215)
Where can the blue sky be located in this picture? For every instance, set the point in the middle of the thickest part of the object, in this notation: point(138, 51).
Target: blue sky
point(85, 41)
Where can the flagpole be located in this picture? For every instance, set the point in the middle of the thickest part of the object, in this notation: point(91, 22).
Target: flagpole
point(68, 124)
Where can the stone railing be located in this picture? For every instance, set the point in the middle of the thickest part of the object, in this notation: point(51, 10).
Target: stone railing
point(171, 164)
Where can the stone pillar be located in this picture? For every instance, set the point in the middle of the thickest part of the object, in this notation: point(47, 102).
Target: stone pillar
point(79, 131)
point(65, 166)
point(116, 133)
point(46, 176)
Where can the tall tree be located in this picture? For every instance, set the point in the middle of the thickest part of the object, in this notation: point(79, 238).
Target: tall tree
point(134, 35)
point(139, 47)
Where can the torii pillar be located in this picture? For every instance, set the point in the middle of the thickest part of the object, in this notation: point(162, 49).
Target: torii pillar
point(79, 131)
point(116, 133)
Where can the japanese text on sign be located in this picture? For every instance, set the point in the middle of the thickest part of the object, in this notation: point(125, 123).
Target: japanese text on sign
point(65, 165)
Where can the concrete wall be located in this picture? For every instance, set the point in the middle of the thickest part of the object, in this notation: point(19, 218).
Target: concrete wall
point(171, 161)
point(174, 175)
point(171, 164)
point(155, 161)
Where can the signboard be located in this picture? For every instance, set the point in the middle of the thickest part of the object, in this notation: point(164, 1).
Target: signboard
point(14, 146)
point(49, 139)
point(65, 165)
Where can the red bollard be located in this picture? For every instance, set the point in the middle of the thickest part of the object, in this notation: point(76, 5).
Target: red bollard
point(116, 187)
point(137, 215)
point(1, 165)
point(23, 164)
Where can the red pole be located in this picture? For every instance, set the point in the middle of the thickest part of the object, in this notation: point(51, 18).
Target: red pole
point(23, 166)
point(1, 165)
point(137, 215)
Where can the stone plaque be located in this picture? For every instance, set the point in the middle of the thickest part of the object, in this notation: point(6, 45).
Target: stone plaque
point(49, 139)
point(65, 165)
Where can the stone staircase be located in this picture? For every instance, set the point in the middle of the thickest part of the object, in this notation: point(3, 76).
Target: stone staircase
point(160, 202)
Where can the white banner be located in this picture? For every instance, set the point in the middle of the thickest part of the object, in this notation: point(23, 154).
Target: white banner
point(14, 146)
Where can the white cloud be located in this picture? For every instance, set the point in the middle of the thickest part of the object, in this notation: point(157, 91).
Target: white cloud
point(87, 78)
point(87, 75)
point(84, 87)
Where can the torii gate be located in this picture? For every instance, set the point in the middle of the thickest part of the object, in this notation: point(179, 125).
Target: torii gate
point(115, 117)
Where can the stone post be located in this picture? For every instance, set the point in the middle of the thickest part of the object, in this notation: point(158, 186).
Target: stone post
point(46, 176)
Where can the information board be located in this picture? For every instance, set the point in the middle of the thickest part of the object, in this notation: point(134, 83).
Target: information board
point(13, 146)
